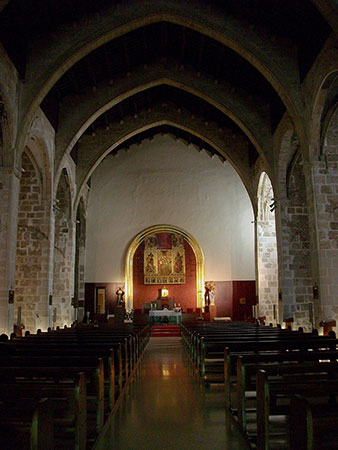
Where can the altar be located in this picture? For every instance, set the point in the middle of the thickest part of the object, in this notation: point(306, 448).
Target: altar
point(165, 313)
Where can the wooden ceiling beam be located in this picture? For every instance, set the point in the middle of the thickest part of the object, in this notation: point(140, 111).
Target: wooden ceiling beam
point(126, 54)
point(145, 44)
point(183, 44)
point(105, 116)
point(107, 60)
point(135, 106)
point(121, 111)
point(221, 57)
point(91, 73)
point(73, 82)
point(148, 99)
point(164, 35)
point(200, 54)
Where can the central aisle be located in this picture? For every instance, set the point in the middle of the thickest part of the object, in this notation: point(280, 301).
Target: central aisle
point(166, 408)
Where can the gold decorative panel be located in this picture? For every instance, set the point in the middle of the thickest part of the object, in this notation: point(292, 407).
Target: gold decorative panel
point(164, 265)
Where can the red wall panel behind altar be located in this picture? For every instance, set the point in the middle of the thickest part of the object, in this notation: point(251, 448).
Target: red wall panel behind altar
point(185, 294)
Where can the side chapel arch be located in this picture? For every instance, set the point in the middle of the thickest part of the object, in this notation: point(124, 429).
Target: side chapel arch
point(164, 229)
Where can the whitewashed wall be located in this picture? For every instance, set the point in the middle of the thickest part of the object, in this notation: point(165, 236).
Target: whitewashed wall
point(163, 181)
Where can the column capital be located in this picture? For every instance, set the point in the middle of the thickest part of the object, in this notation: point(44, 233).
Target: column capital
point(11, 171)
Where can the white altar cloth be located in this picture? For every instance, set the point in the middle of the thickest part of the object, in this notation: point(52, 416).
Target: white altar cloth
point(164, 313)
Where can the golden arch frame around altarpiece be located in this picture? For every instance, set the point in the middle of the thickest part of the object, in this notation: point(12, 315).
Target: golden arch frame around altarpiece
point(164, 229)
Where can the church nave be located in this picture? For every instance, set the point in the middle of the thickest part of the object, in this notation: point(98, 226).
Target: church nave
point(166, 407)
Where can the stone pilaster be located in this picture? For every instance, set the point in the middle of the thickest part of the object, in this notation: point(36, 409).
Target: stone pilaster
point(79, 265)
point(295, 263)
point(267, 270)
point(9, 194)
point(63, 279)
point(33, 248)
point(267, 262)
point(325, 222)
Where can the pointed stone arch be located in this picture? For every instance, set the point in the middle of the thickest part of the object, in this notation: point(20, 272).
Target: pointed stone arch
point(227, 31)
point(323, 110)
point(164, 229)
point(234, 105)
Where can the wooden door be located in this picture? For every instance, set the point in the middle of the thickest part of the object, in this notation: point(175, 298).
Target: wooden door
point(100, 300)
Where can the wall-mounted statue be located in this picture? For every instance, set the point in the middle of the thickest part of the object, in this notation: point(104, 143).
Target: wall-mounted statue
point(209, 295)
point(120, 296)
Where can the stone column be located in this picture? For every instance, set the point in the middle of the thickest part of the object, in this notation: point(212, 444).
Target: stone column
point(9, 195)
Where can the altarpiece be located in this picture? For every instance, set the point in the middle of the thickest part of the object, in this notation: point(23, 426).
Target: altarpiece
point(164, 259)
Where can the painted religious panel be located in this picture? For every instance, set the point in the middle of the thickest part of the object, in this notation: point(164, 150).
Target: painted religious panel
point(150, 262)
point(164, 259)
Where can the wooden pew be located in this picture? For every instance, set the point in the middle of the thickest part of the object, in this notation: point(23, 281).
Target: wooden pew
point(125, 357)
point(206, 343)
point(70, 351)
point(73, 362)
point(93, 369)
point(128, 344)
point(291, 362)
point(139, 334)
point(232, 361)
point(312, 427)
point(213, 351)
point(66, 401)
point(33, 428)
point(112, 355)
point(270, 394)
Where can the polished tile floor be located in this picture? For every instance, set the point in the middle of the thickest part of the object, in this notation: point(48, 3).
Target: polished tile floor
point(166, 407)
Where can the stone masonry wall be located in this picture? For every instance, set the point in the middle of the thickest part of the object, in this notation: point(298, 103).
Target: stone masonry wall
point(9, 193)
point(296, 279)
point(326, 197)
point(267, 270)
point(32, 245)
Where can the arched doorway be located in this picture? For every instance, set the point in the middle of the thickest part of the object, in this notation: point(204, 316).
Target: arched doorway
point(170, 229)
